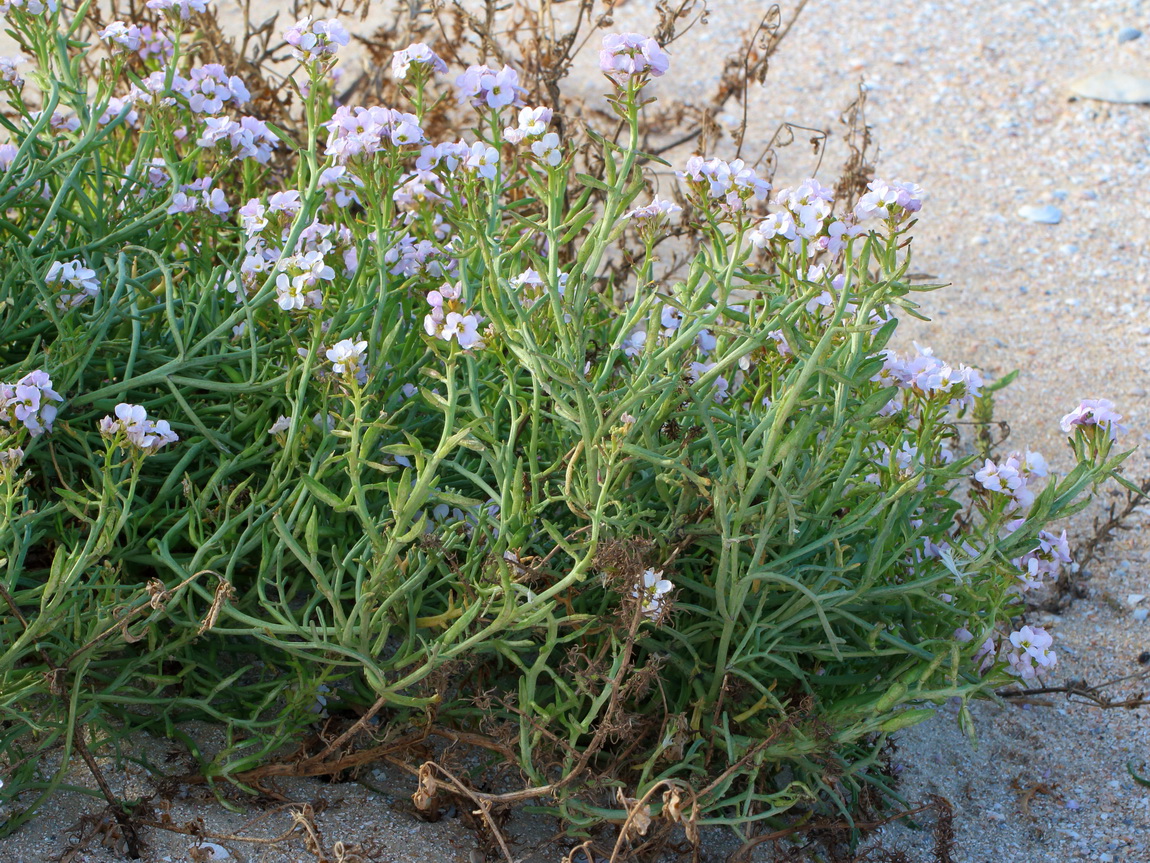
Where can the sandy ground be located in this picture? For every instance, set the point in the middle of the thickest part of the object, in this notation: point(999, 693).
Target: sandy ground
point(969, 100)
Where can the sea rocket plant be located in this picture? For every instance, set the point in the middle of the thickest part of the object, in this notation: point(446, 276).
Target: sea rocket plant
point(432, 387)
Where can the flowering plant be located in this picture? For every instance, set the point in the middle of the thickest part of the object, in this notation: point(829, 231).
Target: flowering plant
point(427, 452)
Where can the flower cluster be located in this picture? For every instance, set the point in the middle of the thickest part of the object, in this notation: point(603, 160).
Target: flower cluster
point(1094, 412)
point(155, 43)
point(889, 201)
point(182, 8)
point(197, 195)
point(355, 132)
point(721, 388)
point(10, 460)
point(28, 402)
point(122, 38)
point(132, 423)
point(298, 280)
point(425, 62)
point(410, 257)
point(248, 138)
point(929, 377)
point(1031, 654)
point(632, 57)
point(655, 211)
point(313, 41)
point(1012, 477)
point(729, 185)
point(8, 73)
point(209, 87)
point(446, 320)
point(1044, 562)
point(32, 7)
point(802, 219)
point(347, 359)
point(484, 87)
point(649, 220)
point(76, 276)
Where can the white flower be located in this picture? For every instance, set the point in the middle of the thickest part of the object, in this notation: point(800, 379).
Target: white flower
point(548, 150)
point(347, 357)
point(483, 159)
point(124, 37)
point(651, 594)
point(280, 425)
point(142, 433)
point(418, 54)
point(316, 40)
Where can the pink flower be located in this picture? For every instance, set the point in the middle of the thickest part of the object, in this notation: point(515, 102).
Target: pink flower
point(27, 402)
point(142, 433)
point(485, 87)
point(210, 87)
point(632, 56)
point(123, 37)
point(184, 8)
point(654, 211)
point(312, 41)
point(1094, 412)
point(1032, 654)
point(419, 55)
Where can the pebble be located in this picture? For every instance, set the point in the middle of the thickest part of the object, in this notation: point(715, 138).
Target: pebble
point(1135, 598)
point(1140, 614)
point(1047, 214)
point(1128, 34)
point(1113, 86)
point(216, 852)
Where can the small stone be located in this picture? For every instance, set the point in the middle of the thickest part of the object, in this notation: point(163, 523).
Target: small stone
point(1140, 614)
point(1144, 657)
point(1128, 34)
point(214, 851)
point(1135, 598)
point(1113, 86)
point(1069, 249)
point(978, 241)
point(1138, 392)
point(1047, 214)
